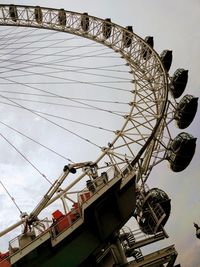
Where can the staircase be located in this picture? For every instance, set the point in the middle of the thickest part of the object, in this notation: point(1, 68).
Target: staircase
point(128, 242)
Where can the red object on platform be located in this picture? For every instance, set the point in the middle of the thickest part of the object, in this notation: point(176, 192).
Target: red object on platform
point(85, 196)
point(3, 261)
point(57, 214)
point(72, 216)
point(63, 223)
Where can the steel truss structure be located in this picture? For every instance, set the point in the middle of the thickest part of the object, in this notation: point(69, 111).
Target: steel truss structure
point(140, 144)
point(141, 133)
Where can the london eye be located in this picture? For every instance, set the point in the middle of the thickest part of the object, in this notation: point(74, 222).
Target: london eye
point(97, 100)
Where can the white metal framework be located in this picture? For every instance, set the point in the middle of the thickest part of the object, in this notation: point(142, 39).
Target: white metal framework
point(135, 147)
point(143, 126)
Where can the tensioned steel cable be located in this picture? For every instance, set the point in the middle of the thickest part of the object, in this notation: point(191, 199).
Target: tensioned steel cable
point(54, 44)
point(75, 57)
point(54, 123)
point(61, 70)
point(71, 80)
point(78, 81)
point(33, 140)
point(69, 58)
point(63, 118)
point(50, 45)
point(7, 43)
point(77, 70)
point(31, 42)
point(12, 198)
point(64, 97)
point(49, 40)
point(122, 113)
point(56, 77)
point(25, 158)
point(75, 98)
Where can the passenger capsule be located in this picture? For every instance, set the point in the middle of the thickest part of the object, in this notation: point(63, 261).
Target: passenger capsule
point(156, 209)
point(181, 151)
point(179, 82)
point(62, 17)
point(127, 36)
point(186, 111)
point(13, 13)
point(106, 28)
point(166, 58)
point(146, 52)
point(38, 14)
point(85, 22)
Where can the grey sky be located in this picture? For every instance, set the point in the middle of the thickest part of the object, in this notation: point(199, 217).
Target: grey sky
point(174, 25)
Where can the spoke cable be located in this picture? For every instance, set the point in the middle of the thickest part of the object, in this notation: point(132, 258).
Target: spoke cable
point(67, 98)
point(75, 98)
point(122, 113)
point(25, 158)
point(28, 137)
point(52, 122)
point(49, 46)
point(12, 198)
point(60, 70)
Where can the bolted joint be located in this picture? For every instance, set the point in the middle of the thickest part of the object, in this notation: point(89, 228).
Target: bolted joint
point(69, 168)
point(31, 219)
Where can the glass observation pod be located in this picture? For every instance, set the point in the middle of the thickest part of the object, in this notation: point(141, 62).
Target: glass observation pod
point(13, 13)
point(181, 151)
point(179, 82)
point(146, 52)
point(166, 58)
point(186, 111)
point(155, 211)
point(127, 36)
point(62, 17)
point(85, 22)
point(107, 28)
point(38, 14)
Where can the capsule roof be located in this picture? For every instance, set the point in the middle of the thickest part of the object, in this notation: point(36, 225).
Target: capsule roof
point(166, 58)
point(186, 111)
point(107, 28)
point(127, 36)
point(13, 13)
point(62, 17)
point(149, 40)
point(85, 22)
point(181, 151)
point(38, 14)
point(179, 82)
point(146, 52)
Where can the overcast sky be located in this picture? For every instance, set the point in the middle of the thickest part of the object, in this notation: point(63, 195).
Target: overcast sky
point(175, 26)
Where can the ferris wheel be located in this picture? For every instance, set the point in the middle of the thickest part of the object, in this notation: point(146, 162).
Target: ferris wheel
point(107, 98)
